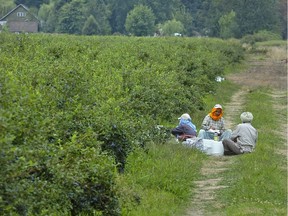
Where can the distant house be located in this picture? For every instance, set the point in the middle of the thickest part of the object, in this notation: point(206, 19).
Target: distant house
point(20, 20)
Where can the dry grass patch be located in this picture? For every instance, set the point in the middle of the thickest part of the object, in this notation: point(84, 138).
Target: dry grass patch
point(277, 53)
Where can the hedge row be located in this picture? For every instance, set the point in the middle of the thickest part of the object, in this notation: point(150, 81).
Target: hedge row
point(73, 107)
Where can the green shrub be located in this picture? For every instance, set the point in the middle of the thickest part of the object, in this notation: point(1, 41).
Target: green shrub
point(260, 36)
point(73, 108)
point(65, 179)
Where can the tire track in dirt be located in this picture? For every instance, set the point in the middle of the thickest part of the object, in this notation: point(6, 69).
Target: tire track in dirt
point(280, 105)
point(210, 178)
point(268, 73)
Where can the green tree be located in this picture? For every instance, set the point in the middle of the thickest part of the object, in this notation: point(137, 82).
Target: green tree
point(211, 13)
point(59, 3)
point(91, 26)
point(6, 6)
point(283, 17)
point(196, 9)
point(185, 18)
point(48, 18)
point(101, 13)
point(256, 15)
point(172, 26)
point(71, 18)
point(251, 16)
point(162, 9)
point(228, 25)
point(51, 22)
point(140, 21)
point(31, 3)
point(44, 11)
point(119, 11)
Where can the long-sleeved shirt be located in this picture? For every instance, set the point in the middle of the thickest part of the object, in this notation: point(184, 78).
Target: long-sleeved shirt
point(208, 122)
point(183, 129)
point(246, 135)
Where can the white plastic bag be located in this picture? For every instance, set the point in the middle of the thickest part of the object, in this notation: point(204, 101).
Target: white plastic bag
point(194, 143)
point(212, 147)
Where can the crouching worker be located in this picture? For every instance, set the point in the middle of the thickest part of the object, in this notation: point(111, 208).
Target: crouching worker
point(243, 138)
point(185, 129)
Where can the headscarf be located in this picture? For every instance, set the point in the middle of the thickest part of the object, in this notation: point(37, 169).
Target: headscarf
point(188, 122)
point(246, 117)
point(212, 113)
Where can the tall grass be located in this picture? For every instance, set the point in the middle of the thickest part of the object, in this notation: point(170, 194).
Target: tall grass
point(272, 43)
point(159, 181)
point(258, 181)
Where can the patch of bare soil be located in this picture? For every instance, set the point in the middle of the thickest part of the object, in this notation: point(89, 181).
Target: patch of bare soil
point(269, 72)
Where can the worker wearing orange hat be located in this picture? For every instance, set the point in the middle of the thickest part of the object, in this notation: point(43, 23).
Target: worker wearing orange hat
point(214, 123)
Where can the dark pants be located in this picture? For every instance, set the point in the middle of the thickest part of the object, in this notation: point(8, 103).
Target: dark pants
point(230, 147)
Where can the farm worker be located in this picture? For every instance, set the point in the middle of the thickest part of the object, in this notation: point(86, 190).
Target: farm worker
point(214, 123)
point(243, 138)
point(185, 129)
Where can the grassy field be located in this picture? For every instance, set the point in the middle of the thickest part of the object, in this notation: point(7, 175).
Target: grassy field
point(159, 181)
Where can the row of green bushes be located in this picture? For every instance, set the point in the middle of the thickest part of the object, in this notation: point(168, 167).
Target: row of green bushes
point(260, 36)
point(72, 107)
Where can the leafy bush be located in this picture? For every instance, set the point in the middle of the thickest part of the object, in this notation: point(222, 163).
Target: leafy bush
point(64, 179)
point(73, 108)
point(260, 36)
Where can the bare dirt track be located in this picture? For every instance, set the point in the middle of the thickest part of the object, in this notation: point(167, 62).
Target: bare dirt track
point(271, 72)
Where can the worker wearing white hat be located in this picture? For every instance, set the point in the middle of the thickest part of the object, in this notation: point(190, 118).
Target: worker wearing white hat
point(243, 138)
point(185, 129)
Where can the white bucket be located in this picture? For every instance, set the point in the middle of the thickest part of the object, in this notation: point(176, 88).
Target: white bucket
point(212, 147)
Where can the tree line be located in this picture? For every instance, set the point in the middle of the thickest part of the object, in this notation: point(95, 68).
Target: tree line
point(221, 18)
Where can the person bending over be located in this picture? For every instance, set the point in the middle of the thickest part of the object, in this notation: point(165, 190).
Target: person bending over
point(185, 129)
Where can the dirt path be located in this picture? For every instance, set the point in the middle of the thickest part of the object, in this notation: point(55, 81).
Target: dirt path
point(278, 97)
point(271, 72)
point(212, 169)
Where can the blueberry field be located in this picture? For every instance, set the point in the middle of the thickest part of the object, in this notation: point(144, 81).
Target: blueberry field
point(72, 108)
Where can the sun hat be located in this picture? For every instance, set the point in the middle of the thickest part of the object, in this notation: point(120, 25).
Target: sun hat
point(218, 106)
point(246, 117)
point(185, 116)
